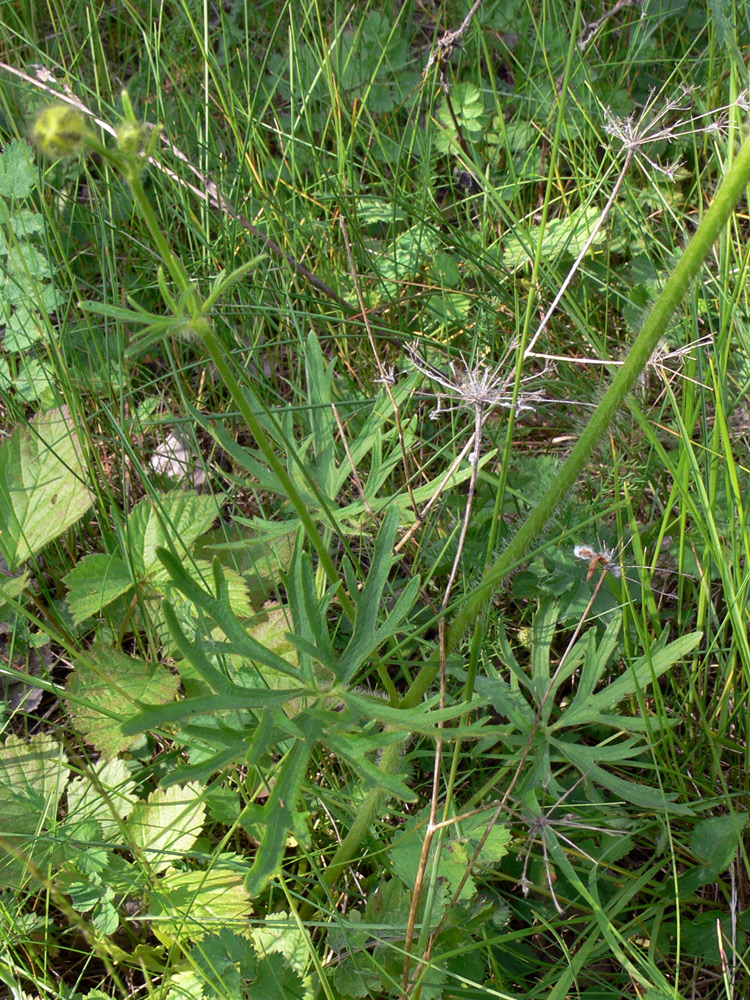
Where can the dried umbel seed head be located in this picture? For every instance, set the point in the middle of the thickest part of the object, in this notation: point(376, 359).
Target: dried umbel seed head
point(58, 131)
point(605, 559)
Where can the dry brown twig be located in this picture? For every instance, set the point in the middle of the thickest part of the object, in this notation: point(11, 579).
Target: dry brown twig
point(590, 31)
point(449, 40)
point(480, 389)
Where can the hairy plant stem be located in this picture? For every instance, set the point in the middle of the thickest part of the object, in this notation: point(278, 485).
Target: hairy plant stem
point(716, 217)
point(131, 170)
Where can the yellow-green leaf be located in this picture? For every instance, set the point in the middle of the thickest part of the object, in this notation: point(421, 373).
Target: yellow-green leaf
point(43, 487)
point(167, 824)
point(103, 690)
point(193, 904)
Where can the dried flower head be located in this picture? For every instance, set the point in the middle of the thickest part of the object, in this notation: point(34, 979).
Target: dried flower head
point(478, 388)
point(673, 120)
point(601, 557)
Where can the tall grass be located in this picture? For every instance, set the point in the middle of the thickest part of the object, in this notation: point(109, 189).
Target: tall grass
point(378, 206)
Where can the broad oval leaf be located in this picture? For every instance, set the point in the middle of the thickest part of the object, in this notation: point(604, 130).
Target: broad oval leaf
point(43, 487)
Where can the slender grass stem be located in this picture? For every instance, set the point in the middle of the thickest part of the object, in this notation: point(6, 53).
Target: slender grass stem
point(716, 217)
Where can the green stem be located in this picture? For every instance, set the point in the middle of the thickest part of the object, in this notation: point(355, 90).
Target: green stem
point(366, 815)
point(219, 358)
point(131, 167)
point(716, 217)
point(173, 263)
point(131, 171)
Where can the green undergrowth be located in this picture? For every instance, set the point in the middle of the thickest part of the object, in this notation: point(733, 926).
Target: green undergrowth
point(307, 692)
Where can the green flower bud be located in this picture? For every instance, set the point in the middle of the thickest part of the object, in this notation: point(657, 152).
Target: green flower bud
point(131, 138)
point(59, 131)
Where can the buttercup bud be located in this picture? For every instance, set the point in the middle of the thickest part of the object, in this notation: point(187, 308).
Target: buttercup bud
point(58, 131)
point(131, 138)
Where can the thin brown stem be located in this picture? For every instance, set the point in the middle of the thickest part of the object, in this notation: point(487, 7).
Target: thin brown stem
point(584, 250)
point(432, 825)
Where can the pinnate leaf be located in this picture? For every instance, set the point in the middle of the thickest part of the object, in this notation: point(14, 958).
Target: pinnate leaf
point(178, 515)
point(110, 795)
point(33, 776)
point(95, 582)
point(17, 172)
point(193, 904)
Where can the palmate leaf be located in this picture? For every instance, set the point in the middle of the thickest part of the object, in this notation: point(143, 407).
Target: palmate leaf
point(585, 760)
point(275, 980)
point(461, 842)
point(366, 636)
point(278, 815)
point(156, 716)
point(216, 741)
point(367, 438)
point(225, 959)
point(219, 610)
point(529, 702)
point(196, 656)
point(309, 612)
point(346, 519)
point(206, 769)
point(349, 748)
point(588, 707)
point(161, 591)
point(43, 487)
point(467, 104)
point(423, 718)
